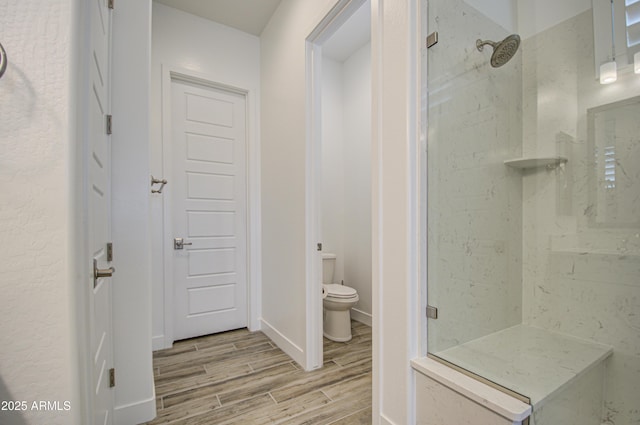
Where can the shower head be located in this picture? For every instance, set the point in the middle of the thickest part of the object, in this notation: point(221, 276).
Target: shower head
point(503, 50)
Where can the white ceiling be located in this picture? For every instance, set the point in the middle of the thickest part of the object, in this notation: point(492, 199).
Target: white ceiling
point(246, 15)
point(252, 16)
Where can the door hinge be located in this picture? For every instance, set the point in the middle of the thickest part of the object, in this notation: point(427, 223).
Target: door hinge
point(319, 246)
point(112, 378)
point(110, 4)
point(109, 123)
point(432, 312)
point(432, 39)
point(109, 251)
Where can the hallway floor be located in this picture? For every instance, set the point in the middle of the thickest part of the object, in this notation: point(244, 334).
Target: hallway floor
point(240, 377)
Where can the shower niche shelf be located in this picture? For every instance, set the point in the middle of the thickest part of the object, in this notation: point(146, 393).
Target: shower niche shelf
point(536, 162)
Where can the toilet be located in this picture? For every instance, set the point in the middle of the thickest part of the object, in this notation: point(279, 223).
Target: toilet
point(337, 301)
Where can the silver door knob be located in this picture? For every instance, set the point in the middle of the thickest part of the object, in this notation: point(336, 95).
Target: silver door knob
point(179, 243)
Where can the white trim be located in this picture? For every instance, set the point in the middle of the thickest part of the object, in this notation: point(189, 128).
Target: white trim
point(377, 242)
point(491, 398)
point(158, 343)
point(254, 212)
point(332, 21)
point(284, 343)
point(422, 124)
point(386, 421)
point(135, 413)
point(80, 258)
point(314, 357)
point(414, 176)
point(361, 316)
point(414, 229)
point(166, 207)
point(253, 221)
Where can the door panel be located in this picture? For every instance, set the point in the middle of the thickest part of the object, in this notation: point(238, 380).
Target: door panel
point(209, 110)
point(99, 232)
point(210, 187)
point(212, 261)
point(209, 209)
point(212, 298)
point(209, 149)
point(207, 223)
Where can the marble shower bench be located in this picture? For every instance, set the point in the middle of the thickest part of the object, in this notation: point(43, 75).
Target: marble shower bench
point(562, 376)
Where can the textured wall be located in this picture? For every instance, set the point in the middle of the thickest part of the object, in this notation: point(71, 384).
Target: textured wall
point(37, 143)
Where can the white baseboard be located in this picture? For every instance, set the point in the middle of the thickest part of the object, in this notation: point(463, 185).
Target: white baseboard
point(385, 421)
point(159, 343)
point(284, 343)
point(361, 316)
point(135, 413)
point(254, 325)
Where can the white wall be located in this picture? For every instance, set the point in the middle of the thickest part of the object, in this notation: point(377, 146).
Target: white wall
point(346, 172)
point(283, 140)
point(356, 87)
point(529, 17)
point(220, 53)
point(39, 212)
point(502, 12)
point(333, 164)
point(535, 16)
point(134, 394)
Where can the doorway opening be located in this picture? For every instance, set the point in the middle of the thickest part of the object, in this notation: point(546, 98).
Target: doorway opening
point(339, 165)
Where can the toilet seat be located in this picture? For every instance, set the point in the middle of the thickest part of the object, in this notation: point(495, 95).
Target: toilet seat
point(335, 290)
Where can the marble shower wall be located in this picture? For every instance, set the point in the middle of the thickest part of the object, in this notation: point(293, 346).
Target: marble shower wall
point(581, 252)
point(475, 202)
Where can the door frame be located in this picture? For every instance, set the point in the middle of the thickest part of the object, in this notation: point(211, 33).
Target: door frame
point(254, 245)
point(328, 26)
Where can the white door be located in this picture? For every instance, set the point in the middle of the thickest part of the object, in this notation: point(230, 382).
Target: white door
point(209, 199)
point(99, 206)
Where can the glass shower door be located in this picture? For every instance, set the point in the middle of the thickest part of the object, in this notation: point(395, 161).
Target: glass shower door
point(474, 201)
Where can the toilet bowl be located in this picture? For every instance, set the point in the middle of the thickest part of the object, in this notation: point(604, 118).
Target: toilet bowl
point(337, 301)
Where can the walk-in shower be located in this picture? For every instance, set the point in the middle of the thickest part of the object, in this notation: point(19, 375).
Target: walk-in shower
point(533, 200)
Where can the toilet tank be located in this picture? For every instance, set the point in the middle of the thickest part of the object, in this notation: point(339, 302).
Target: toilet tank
point(328, 266)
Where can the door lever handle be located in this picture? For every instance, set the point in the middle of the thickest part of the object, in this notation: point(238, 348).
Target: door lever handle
point(98, 273)
point(179, 243)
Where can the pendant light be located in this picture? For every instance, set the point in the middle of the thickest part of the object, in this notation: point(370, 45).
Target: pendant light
point(609, 70)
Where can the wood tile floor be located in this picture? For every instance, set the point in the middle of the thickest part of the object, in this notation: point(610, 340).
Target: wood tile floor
point(240, 377)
